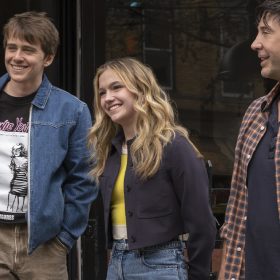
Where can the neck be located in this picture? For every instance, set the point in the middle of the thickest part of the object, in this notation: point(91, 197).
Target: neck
point(19, 89)
point(129, 134)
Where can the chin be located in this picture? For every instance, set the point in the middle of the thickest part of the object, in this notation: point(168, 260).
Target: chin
point(266, 74)
point(271, 77)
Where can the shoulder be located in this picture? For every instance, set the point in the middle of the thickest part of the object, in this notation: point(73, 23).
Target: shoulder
point(181, 159)
point(253, 110)
point(65, 96)
point(181, 150)
point(60, 103)
point(256, 104)
point(56, 94)
point(180, 143)
point(68, 103)
point(3, 80)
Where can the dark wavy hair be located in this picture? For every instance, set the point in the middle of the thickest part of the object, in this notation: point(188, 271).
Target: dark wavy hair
point(266, 9)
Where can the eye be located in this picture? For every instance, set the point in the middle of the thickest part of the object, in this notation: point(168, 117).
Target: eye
point(101, 92)
point(117, 87)
point(11, 48)
point(29, 50)
point(265, 30)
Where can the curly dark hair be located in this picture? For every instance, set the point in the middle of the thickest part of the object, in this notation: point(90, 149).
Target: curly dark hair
point(266, 9)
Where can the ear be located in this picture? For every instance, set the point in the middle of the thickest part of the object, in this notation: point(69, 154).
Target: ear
point(48, 60)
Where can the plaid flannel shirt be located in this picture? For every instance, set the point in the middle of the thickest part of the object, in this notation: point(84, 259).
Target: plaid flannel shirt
point(252, 130)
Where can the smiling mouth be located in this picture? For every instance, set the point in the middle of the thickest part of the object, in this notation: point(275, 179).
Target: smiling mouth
point(112, 108)
point(263, 60)
point(18, 67)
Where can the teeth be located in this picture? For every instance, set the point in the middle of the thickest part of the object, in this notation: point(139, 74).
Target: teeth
point(114, 107)
point(17, 67)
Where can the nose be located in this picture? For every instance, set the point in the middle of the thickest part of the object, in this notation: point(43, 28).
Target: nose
point(256, 44)
point(109, 96)
point(18, 55)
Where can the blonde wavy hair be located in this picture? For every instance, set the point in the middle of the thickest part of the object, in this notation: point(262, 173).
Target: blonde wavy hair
point(155, 125)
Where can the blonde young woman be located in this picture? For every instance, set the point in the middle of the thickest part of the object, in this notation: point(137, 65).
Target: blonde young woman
point(152, 179)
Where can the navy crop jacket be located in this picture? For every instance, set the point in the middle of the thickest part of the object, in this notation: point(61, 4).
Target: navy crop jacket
point(174, 201)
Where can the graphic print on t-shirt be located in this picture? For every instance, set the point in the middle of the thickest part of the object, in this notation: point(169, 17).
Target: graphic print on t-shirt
point(18, 184)
point(14, 174)
point(14, 126)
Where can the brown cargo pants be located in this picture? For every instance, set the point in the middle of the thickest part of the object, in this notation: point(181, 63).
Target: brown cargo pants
point(47, 262)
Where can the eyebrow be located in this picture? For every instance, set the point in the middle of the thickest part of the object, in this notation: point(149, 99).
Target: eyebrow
point(10, 44)
point(265, 27)
point(23, 46)
point(112, 84)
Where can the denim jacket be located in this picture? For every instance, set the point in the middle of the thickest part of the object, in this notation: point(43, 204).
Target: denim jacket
point(59, 191)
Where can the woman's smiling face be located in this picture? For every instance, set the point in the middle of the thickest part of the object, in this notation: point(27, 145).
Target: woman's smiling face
point(116, 100)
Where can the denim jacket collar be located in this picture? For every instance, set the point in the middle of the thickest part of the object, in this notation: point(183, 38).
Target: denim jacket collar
point(42, 95)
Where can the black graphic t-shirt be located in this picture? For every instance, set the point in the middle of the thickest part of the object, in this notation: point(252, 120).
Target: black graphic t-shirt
point(14, 117)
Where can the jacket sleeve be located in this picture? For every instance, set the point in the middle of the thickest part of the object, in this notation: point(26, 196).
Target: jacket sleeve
point(79, 190)
point(191, 185)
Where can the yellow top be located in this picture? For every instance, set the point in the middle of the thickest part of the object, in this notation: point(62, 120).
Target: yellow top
point(118, 203)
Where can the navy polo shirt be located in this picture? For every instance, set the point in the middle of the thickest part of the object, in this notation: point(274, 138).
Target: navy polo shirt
point(262, 249)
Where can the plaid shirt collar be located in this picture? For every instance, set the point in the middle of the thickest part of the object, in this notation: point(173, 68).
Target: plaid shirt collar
point(269, 98)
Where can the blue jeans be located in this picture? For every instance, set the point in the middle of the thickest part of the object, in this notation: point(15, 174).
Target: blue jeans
point(163, 261)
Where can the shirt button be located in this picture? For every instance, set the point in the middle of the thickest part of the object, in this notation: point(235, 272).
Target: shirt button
point(245, 218)
point(238, 249)
point(128, 189)
point(262, 127)
point(133, 239)
point(130, 214)
point(248, 156)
